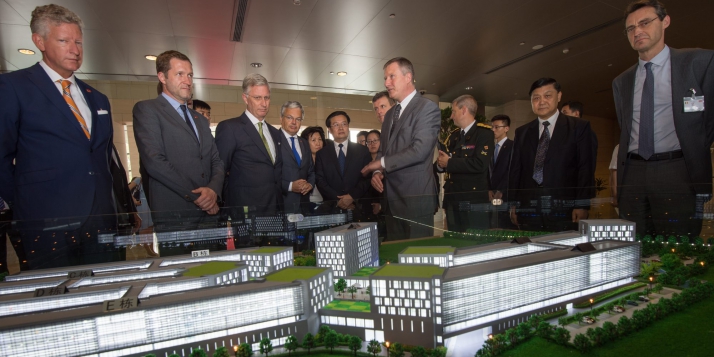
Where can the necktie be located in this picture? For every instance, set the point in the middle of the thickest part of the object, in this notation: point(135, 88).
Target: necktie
point(540, 154)
point(341, 160)
point(185, 117)
point(495, 153)
point(462, 138)
point(295, 152)
point(395, 117)
point(2, 204)
point(646, 144)
point(72, 105)
point(265, 142)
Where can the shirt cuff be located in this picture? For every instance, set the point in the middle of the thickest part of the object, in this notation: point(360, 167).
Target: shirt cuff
point(290, 187)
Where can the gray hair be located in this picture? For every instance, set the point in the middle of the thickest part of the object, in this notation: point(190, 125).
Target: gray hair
point(291, 104)
point(42, 16)
point(252, 80)
point(467, 101)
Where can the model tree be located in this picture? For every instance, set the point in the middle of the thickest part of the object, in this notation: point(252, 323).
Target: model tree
point(321, 333)
point(439, 352)
point(221, 352)
point(244, 350)
point(563, 321)
point(374, 347)
point(419, 351)
point(198, 352)
point(561, 336)
point(174, 355)
point(544, 330)
point(266, 346)
point(331, 340)
point(355, 344)
point(291, 344)
point(308, 342)
point(340, 286)
point(582, 343)
point(352, 290)
point(150, 355)
point(396, 350)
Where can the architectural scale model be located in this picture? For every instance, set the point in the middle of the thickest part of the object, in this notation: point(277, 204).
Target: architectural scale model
point(171, 305)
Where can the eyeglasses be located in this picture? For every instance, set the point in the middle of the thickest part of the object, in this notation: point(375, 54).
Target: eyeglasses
point(642, 25)
point(259, 98)
point(375, 141)
point(498, 126)
point(290, 118)
point(337, 125)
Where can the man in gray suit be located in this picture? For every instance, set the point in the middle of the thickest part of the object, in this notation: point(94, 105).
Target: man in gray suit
point(403, 167)
point(298, 168)
point(251, 152)
point(177, 152)
point(664, 172)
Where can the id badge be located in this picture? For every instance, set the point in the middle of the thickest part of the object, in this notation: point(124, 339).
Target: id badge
point(694, 103)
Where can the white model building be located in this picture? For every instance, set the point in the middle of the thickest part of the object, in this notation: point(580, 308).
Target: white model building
point(266, 260)
point(348, 248)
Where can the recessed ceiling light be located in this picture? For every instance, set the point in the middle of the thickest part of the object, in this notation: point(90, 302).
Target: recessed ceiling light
point(609, 65)
point(313, 98)
point(341, 73)
point(150, 57)
point(296, 2)
point(391, 16)
point(537, 47)
point(522, 43)
point(256, 65)
point(433, 84)
point(566, 50)
point(370, 102)
point(469, 88)
point(25, 51)
point(332, 72)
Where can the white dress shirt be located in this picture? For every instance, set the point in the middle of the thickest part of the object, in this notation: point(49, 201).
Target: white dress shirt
point(266, 132)
point(551, 127)
point(74, 91)
point(344, 147)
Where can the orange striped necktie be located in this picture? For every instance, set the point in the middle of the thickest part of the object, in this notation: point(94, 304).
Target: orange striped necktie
point(72, 106)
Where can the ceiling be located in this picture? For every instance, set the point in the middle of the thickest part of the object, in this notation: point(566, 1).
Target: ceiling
point(452, 43)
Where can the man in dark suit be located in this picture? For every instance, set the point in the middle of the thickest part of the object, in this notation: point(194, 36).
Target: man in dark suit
point(403, 168)
point(469, 153)
point(298, 169)
point(177, 151)
point(55, 145)
point(499, 170)
point(552, 166)
point(664, 172)
point(251, 152)
point(338, 165)
point(575, 109)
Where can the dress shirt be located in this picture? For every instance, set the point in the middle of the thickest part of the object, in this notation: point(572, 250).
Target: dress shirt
point(266, 132)
point(297, 147)
point(550, 120)
point(177, 106)
point(500, 145)
point(665, 138)
point(74, 91)
point(344, 147)
point(404, 104)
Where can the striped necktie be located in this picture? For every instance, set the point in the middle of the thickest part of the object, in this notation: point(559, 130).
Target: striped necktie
point(72, 105)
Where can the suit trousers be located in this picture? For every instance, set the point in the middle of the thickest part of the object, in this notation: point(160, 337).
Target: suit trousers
point(658, 197)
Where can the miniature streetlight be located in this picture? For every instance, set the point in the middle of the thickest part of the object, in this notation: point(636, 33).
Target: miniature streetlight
point(490, 336)
point(591, 309)
point(651, 279)
point(386, 343)
point(235, 349)
point(702, 263)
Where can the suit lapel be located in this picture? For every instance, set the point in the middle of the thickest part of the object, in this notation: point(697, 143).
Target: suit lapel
point(288, 147)
point(252, 133)
point(40, 78)
point(628, 92)
point(304, 150)
point(558, 137)
point(174, 115)
point(403, 117)
point(677, 72)
point(90, 103)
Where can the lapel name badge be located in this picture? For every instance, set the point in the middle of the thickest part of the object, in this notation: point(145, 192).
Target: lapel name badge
point(694, 103)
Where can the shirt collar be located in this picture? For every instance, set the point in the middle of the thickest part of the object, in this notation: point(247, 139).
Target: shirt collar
point(469, 127)
point(658, 60)
point(553, 118)
point(406, 100)
point(54, 76)
point(500, 143)
point(174, 103)
point(253, 119)
point(288, 136)
point(344, 144)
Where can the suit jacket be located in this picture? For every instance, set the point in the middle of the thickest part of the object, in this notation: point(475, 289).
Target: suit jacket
point(409, 186)
point(253, 179)
point(331, 182)
point(568, 168)
point(468, 166)
point(174, 160)
point(499, 170)
point(293, 201)
point(691, 68)
point(57, 172)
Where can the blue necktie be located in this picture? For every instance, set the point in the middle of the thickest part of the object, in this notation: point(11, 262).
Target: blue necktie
point(540, 154)
point(297, 156)
point(495, 153)
point(341, 160)
point(646, 143)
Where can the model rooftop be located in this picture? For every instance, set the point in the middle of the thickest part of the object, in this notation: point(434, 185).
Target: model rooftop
point(210, 268)
point(409, 271)
point(366, 271)
point(268, 250)
point(429, 250)
point(290, 274)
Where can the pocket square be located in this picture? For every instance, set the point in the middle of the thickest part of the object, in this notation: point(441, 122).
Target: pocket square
point(102, 112)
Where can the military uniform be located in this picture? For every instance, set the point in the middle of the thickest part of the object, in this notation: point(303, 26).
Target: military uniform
point(466, 184)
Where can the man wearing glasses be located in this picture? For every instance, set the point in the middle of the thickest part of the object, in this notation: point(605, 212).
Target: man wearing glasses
point(338, 165)
point(298, 170)
point(664, 165)
point(250, 150)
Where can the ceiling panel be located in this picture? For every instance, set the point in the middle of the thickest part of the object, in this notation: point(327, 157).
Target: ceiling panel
point(9, 16)
point(210, 58)
point(355, 64)
point(13, 38)
point(192, 18)
point(333, 24)
point(142, 16)
point(270, 56)
point(6, 66)
point(101, 54)
point(303, 66)
point(135, 46)
point(82, 8)
point(275, 23)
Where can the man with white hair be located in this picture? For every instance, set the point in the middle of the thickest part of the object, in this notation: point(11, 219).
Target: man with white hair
point(250, 150)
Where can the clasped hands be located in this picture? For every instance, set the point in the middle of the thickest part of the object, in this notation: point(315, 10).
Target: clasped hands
point(207, 200)
point(301, 186)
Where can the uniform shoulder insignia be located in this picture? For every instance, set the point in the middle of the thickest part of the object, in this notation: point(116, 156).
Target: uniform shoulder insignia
point(484, 125)
point(453, 131)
